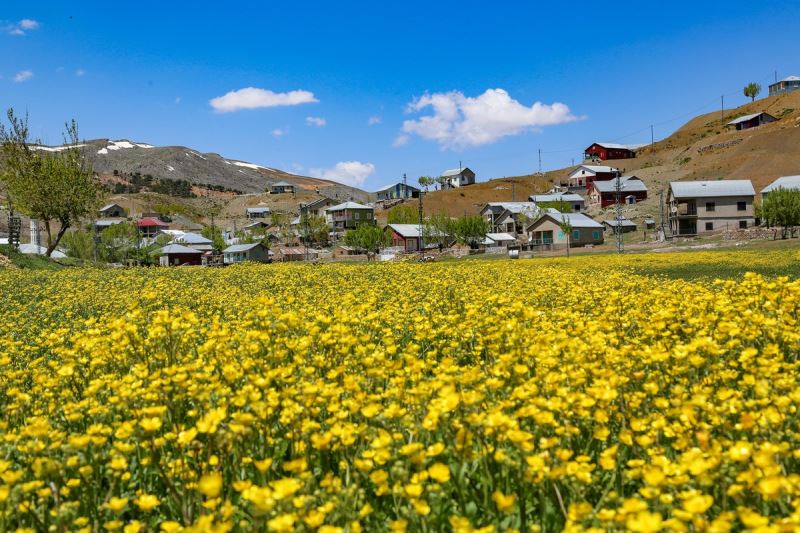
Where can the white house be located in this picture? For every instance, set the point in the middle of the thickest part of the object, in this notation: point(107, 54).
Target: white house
point(784, 182)
point(457, 177)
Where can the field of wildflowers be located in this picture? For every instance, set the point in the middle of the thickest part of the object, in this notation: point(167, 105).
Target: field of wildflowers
point(492, 396)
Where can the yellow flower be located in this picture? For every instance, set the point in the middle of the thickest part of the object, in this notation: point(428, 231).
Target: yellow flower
point(147, 502)
point(698, 504)
point(210, 485)
point(117, 504)
point(413, 490)
point(644, 522)
point(150, 424)
point(440, 472)
point(502, 501)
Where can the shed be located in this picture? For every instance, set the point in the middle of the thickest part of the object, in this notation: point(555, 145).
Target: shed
point(112, 211)
point(752, 121)
point(499, 239)
point(177, 255)
point(296, 254)
point(625, 224)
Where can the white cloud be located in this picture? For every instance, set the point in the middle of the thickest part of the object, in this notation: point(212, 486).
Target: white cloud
point(254, 98)
point(352, 173)
point(278, 133)
point(23, 76)
point(80, 72)
point(316, 121)
point(371, 121)
point(401, 140)
point(178, 100)
point(460, 121)
point(21, 27)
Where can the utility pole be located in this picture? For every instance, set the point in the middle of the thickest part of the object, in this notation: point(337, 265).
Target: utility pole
point(618, 228)
point(540, 161)
point(652, 136)
point(661, 207)
point(776, 76)
point(513, 191)
point(420, 239)
point(722, 111)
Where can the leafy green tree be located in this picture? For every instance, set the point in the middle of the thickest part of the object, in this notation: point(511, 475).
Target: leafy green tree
point(79, 244)
point(314, 229)
point(438, 229)
point(403, 214)
point(470, 230)
point(426, 181)
point(56, 188)
point(781, 208)
point(215, 234)
point(751, 90)
point(368, 238)
point(566, 227)
point(118, 243)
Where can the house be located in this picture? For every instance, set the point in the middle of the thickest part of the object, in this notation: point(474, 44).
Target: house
point(625, 225)
point(348, 215)
point(700, 206)
point(784, 182)
point(786, 85)
point(345, 251)
point(398, 191)
point(317, 207)
point(499, 239)
point(546, 230)
point(257, 212)
point(297, 254)
point(605, 151)
point(649, 223)
point(194, 241)
point(149, 227)
point(100, 225)
point(258, 227)
point(112, 211)
point(584, 175)
point(177, 255)
point(604, 193)
point(407, 236)
point(457, 177)
point(281, 187)
point(751, 121)
point(565, 201)
point(238, 253)
point(509, 217)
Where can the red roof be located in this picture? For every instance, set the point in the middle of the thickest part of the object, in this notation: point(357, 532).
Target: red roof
point(150, 222)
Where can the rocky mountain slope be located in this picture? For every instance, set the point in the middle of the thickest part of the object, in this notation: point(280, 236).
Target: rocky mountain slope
point(181, 163)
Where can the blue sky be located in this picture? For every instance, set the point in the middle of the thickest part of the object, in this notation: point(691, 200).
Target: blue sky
point(366, 91)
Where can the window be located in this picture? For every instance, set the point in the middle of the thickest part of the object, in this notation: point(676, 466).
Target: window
point(709, 226)
point(742, 224)
point(741, 206)
point(595, 235)
point(576, 235)
point(710, 206)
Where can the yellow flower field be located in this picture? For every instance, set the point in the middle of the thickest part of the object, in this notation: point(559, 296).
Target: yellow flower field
point(479, 395)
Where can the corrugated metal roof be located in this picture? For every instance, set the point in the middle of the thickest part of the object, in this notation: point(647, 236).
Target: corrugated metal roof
point(191, 238)
point(708, 188)
point(500, 237)
point(109, 206)
point(556, 197)
point(347, 205)
point(178, 249)
point(282, 184)
point(393, 185)
point(576, 220)
point(624, 223)
point(241, 248)
point(746, 118)
point(631, 147)
point(104, 223)
point(258, 210)
point(627, 184)
point(597, 168)
point(453, 172)
point(788, 78)
point(150, 222)
point(784, 182)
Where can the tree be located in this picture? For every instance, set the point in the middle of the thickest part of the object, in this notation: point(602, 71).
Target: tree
point(566, 228)
point(470, 230)
point(367, 238)
point(54, 187)
point(118, 243)
point(781, 208)
point(314, 229)
point(79, 244)
point(751, 90)
point(438, 229)
point(426, 181)
point(215, 234)
point(403, 214)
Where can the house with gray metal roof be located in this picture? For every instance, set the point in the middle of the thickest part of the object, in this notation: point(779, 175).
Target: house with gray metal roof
point(348, 215)
point(697, 207)
point(193, 240)
point(547, 230)
point(791, 183)
point(566, 201)
point(238, 253)
point(457, 177)
point(583, 176)
point(257, 212)
point(178, 255)
point(786, 85)
point(112, 211)
point(280, 187)
point(604, 193)
point(751, 121)
point(509, 217)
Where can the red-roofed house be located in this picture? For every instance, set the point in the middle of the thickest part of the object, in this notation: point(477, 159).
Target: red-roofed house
point(150, 226)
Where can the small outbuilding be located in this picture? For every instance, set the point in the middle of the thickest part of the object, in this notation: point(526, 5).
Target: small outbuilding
point(499, 239)
point(112, 211)
point(625, 224)
point(752, 121)
point(297, 254)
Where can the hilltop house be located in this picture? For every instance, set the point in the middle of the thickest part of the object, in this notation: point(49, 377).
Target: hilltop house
point(317, 207)
point(257, 212)
point(398, 191)
point(786, 85)
point(177, 255)
point(564, 201)
point(238, 253)
point(348, 215)
point(457, 177)
point(546, 230)
point(701, 206)
point(604, 193)
point(111, 211)
point(751, 121)
point(605, 151)
point(784, 182)
point(509, 217)
point(584, 175)
point(281, 187)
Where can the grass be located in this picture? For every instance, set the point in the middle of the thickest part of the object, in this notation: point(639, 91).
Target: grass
point(36, 262)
